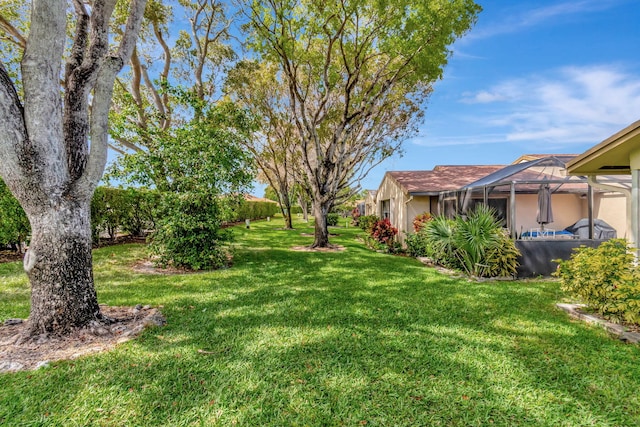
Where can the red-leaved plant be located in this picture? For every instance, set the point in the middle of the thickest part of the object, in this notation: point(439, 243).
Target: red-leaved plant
point(420, 220)
point(383, 232)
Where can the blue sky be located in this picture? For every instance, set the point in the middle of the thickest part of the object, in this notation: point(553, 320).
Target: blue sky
point(530, 77)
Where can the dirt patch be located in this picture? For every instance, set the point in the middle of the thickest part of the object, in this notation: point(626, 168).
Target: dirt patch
point(334, 248)
point(37, 353)
point(10, 256)
point(313, 235)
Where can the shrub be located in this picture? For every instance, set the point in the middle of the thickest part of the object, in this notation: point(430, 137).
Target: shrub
point(502, 258)
point(474, 236)
point(416, 245)
point(420, 220)
point(605, 279)
point(14, 225)
point(113, 209)
point(366, 222)
point(383, 232)
point(252, 210)
point(332, 219)
point(190, 233)
point(440, 242)
point(478, 244)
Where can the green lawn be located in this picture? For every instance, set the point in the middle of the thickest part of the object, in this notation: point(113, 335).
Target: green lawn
point(320, 339)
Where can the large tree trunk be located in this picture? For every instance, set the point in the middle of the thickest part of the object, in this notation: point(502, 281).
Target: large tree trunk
point(59, 266)
point(47, 160)
point(320, 211)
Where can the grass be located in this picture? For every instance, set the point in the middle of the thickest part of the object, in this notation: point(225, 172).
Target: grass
point(328, 339)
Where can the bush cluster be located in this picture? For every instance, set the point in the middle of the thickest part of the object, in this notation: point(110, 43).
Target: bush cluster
point(253, 210)
point(14, 225)
point(131, 211)
point(366, 222)
point(605, 278)
point(189, 232)
point(333, 219)
point(478, 244)
point(381, 235)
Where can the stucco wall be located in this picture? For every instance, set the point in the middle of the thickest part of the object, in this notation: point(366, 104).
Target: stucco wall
point(567, 209)
point(612, 209)
point(370, 207)
point(390, 190)
point(417, 205)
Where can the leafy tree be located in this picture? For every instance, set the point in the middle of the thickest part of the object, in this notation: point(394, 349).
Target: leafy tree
point(47, 161)
point(196, 168)
point(355, 72)
point(255, 86)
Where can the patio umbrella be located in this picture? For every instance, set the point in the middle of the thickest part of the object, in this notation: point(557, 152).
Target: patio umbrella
point(545, 214)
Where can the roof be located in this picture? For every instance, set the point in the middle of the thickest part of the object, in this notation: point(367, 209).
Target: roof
point(529, 174)
point(441, 178)
point(529, 157)
point(611, 156)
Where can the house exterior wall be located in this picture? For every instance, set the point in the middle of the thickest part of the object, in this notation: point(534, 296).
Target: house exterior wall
point(612, 209)
point(392, 195)
point(417, 205)
point(567, 209)
point(370, 207)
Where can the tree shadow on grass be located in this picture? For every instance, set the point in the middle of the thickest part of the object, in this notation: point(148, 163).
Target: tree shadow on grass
point(338, 339)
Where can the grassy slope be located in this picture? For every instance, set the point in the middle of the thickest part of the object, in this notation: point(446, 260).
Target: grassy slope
point(350, 338)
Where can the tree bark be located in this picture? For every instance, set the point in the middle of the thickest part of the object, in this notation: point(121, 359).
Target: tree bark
point(47, 160)
point(286, 207)
point(320, 211)
point(58, 264)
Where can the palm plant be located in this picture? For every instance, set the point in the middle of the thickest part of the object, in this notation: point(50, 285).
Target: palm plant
point(439, 234)
point(474, 236)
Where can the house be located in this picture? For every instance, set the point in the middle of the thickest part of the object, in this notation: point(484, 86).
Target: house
point(370, 203)
point(403, 195)
point(512, 190)
point(616, 157)
point(515, 192)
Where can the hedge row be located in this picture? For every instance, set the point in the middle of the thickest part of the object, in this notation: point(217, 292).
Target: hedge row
point(131, 211)
point(253, 210)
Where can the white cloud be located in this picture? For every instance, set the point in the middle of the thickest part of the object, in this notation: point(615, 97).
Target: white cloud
point(565, 108)
point(577, 105)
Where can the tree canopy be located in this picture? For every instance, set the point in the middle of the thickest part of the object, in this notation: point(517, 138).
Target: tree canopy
point(357, 73)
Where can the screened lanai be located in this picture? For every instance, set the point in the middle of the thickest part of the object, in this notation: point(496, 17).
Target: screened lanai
point(548, 212)
point(518, 193)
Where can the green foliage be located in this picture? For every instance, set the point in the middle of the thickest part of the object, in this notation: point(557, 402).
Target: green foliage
point(189, 232)
point(200, 167)
point(478, 244)
point(474, 236)
point(416, 245)
point(114, 210)
point(333, 219)
point(440, 241)
point(252, 210)
point(366, 222)
point(502, 258)
point(605, 278)
point(14, 225)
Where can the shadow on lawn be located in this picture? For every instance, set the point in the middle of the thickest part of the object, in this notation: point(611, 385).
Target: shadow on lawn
point(340, 338)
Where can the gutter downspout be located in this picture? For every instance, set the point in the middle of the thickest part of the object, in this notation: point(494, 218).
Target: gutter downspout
point(593, 181)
